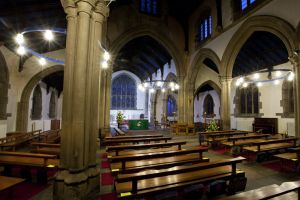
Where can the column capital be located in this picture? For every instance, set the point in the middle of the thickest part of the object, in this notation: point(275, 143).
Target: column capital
point(102, 9)
point(294, 59)
point(225, 79)
point(85, 6)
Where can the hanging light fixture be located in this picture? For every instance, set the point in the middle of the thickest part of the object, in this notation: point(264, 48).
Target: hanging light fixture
point(162, 85)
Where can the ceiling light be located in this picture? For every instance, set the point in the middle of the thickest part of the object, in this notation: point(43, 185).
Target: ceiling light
point(172, 84)
point(42, 61)
point(163, 90)
point(106, 56)
point(241, 80)
point(278, 73)
point(259, 84)
point(291, 76)
point(256, 76)
point(141, 87)
point(276, 82)
point(172, 89)
point(176, 86)
point(245, 85)
point(19, 39)
point(21, 50)
point(145, 84)
point(237, 83)
point(104, 65)
point(48, 35)
point(151, 90)
point(159, 83)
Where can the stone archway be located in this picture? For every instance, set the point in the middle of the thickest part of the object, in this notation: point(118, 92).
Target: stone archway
point(23, 105)
point(159, 36)
point(271, 24)
point(4, 82)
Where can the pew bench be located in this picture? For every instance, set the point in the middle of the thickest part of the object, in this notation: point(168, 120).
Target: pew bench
point(129, 161)
point(27, 160)
point(8, 183)
point(136, 140)
point(216, 138)
point(152, 182)
point(46, 148)
point(121, 148)
point(50, 136)
point(270, 146)
point(132, 137)
point(156, 160)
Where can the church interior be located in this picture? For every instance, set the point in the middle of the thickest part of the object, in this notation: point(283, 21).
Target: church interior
point(149, 99)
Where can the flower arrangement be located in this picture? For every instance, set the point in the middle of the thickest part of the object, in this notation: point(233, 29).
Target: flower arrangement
point(120, 117)
point(212, 126)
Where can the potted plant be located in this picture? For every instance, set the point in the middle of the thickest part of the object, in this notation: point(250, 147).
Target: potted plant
point(212, 126)
point(120, 117)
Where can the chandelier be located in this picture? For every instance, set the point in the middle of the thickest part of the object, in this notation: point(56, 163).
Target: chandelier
point(265, 76)
point(161, 85)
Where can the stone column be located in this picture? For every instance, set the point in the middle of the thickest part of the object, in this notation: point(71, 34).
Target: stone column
point(78, 175)
point(107, 98)
point(225, 101)
point(294, 59)
point(189, 103)
point(101, 104)
point(181, 100)
point(146, 103)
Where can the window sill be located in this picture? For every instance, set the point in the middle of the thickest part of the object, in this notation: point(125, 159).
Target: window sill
point(286, 115)
point(248, 115)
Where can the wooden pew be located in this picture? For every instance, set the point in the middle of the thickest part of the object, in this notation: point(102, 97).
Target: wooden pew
point(8, 183)
point(245, 139)
point(286, 190)
point(46, 148)
point(151, 182)
point(18, 139)
point(119, 148)
point(26, 160)
point(153, 160)
point(50, 136)
point(271, 145)
point(215, 138)
point(136, 140)
point(290, 159)
point(132, 136)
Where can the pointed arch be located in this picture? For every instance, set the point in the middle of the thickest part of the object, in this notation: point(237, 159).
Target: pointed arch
point(210, 83)
point(37, 103)
point(53, 105)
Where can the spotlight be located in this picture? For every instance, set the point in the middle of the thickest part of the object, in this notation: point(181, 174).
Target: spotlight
point(104, 65)
point(172, 84)
point(176, 86)
point(163, 90)
point(159, 83)
point(48, 35)
point(42, 61)
point(259, 84)
point(172, 89)
point(19, 39)
point(237, 83)
point(106, 56)
point(145, 84)
point(241, 80)
point(21, 50)
point(151, 90)
point(245, 85)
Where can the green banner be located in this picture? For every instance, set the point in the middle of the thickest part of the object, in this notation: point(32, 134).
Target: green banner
point(139, 124)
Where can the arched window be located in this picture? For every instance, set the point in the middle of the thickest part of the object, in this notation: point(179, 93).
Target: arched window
point(248, 100)
point(123, 95)
point(171, 106)
point(288, 98)
point(246, 3)
point(204, 28)
point(52, 105)
point(208, 106)
point(3, 88)
point(149, 7)
point(36, 109)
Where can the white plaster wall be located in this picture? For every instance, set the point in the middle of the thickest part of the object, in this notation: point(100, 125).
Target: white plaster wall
point(270, 97)
point(198, 105)
point(3, 128)
point(140, 103)
point(206, 74)
point(45, 122)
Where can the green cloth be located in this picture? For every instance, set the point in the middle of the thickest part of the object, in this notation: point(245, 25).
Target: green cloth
point(138, 124)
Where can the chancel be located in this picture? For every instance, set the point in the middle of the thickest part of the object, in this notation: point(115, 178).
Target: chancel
point(149, 99)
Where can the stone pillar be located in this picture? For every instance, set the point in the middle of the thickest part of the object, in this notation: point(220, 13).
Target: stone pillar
point(152, 109)
point(101, 105)
point(78, 175)
point(189, 103)
point(146, 103)
point(294, 59)
point(181, 100)
point(225, 101)
point(107, 98)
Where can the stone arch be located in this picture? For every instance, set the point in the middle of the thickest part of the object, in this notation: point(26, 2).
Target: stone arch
point(274, 25)
point(53, 105)
point(37, 103)
point(198, 61)
point(23, 105)
point(4, 83)
point(211, 83)
point(153, 32)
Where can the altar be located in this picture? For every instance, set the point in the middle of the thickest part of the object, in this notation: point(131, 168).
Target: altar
point(138, 124)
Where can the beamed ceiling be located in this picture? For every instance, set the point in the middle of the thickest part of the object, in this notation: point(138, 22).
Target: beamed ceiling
point(142, 56)
point(261, 50)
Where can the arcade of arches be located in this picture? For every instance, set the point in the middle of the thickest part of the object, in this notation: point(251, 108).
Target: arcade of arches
point(205, 47)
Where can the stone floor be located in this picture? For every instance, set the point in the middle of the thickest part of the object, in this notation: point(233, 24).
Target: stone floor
point(257, 174)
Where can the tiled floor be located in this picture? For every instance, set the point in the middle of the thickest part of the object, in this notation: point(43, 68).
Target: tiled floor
point(257, 174)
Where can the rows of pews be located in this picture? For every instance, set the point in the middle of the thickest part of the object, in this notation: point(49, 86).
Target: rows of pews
point(143, 167)
point(28, 151)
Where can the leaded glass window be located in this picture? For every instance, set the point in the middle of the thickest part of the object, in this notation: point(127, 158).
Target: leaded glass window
point(149, 6)
point(205, 28)
point(123, 96)
point(249, 103)
point(246, 3)
point(171, 106)
point(36, 110)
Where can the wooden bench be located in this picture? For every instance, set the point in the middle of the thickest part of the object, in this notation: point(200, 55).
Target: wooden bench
point(46, 148)
point(8, 183)
point(16, 140)
point(132, 137)
point(289, 160)
point(270, 146)
point(50, 136)
point(119, 148)
point(152, 160)
point(27, 160)
point(151, 182)
point(216, 138)
point(287, 190)
point(136, 140)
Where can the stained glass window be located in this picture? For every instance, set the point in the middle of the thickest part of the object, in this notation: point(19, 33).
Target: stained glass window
point(123, 95)
point(246, 3)
point(205, 28)
point(171, 106)
point(36, 110)
point(149, 6)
